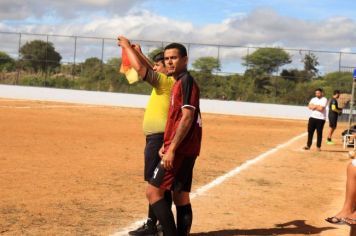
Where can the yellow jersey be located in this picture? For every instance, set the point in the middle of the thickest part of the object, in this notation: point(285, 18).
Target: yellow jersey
point(156, 112)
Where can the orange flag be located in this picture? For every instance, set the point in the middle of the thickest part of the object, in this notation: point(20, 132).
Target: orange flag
point(126, 68)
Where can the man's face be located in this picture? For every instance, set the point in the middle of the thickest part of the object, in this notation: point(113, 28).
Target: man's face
point(175, 63)
point(159, 67)
point(318, 94)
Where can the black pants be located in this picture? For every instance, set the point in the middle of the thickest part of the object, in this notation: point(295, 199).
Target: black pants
point(318, 125)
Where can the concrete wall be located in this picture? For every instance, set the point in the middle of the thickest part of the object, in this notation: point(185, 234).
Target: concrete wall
point(140, 101)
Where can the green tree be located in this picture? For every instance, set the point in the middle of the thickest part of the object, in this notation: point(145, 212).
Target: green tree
point(6, 62)
point(295, 75)
point(114, 62)
point(267, 60)
point(92, 69)
point(310, 64)
point(339, 80)
point(39, 56)
point(207, 64)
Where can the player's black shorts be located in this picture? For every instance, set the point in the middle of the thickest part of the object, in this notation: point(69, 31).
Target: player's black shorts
point(153, 143)
point(333, 121)
point(179, 178)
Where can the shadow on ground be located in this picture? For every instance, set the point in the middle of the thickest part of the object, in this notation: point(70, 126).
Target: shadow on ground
point(292, 227)
point(337, 151)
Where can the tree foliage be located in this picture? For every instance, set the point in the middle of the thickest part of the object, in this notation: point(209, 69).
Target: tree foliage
point(39, 55)
point(267, 60)
point(207, 64)
point(310, 63)
point(6, 62)
point(92, 68)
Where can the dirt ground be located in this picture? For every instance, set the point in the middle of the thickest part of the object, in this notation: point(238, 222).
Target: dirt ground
point(69, 169)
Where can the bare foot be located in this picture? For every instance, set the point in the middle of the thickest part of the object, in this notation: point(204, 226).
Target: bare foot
point(345, 214)
point(352, 216)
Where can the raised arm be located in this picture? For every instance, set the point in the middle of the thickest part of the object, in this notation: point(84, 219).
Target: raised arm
point(139, 62)
point(144, 60)
point(132, 54)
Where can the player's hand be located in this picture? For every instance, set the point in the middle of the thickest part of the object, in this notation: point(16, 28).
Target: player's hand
point(161, 152)
point(168, 159)
point(137, 47)
point(123, 42)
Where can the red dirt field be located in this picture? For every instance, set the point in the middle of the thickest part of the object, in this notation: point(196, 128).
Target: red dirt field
point(68, 169)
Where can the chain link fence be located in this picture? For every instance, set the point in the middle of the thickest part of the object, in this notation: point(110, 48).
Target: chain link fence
point(76, 50)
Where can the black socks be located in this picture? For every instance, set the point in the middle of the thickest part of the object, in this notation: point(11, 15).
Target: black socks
point(184, 219)
point(151, 215)
point(164, 214)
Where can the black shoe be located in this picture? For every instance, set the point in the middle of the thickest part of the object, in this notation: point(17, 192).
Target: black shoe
point(306, 148)
point(159, 230)
point(147, 229)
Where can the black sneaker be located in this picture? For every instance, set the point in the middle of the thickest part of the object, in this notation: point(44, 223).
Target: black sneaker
point(306, 148)
point(147, 229)
point(159, 230)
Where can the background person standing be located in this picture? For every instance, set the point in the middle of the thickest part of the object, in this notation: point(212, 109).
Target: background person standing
point(317, 118)
point(334, 112)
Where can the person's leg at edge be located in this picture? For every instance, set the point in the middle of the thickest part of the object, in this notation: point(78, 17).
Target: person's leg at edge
point(332, 128)
point(348, 209)
point(311, 130)
point(161, 209)
point(319, 130)
point(184, 212)
point(330, 133)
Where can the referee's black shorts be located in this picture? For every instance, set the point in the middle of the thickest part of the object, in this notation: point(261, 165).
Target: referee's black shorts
point(333, 120)
point(153, 143)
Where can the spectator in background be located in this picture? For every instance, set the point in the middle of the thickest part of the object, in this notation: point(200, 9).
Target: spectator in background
point(334, 112)
point(317, 118)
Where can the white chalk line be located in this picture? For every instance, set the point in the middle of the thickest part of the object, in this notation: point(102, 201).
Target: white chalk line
point(203, 189)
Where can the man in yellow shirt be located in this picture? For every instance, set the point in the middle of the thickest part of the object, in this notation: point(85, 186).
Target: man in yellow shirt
point(154, 124)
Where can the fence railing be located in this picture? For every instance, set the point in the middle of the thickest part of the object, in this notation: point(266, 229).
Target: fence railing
point(75, 50)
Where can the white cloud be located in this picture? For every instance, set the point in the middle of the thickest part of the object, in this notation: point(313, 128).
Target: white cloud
point(19, 9)
point(262, 27)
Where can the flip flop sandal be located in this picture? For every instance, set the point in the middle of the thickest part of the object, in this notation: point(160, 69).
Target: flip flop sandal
point(335, 220)
point(350, 221)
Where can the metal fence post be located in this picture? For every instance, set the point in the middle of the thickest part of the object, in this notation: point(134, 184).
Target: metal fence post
point(102, 57)
point(248, 53)
point(219, 69)
point(74, 56)
point(18, 59)
point(46, 62)
point(340, 55)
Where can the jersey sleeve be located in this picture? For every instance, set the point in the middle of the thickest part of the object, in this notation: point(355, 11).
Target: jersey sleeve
point(189, 93)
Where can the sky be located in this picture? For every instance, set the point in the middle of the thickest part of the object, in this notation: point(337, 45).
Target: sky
point(306, 24)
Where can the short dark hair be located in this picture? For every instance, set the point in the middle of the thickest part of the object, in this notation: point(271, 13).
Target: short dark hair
point(336, 92)
point(319, 89)
point(158, 57)
point(181, 48)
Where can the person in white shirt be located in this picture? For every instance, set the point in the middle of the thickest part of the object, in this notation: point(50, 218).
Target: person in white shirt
point(317, 118)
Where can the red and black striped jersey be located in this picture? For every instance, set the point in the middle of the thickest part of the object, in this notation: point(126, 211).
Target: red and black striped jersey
point(185, 94)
